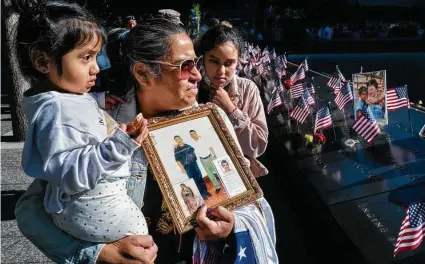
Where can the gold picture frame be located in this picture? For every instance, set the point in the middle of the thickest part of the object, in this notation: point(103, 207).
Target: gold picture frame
point(185, 192)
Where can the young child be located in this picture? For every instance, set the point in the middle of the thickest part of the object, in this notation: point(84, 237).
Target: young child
point(67, 143)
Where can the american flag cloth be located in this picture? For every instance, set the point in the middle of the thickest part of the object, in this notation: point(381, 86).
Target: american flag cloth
point(280, 71)
point(260, 68)
point(305, 65)
point(279, 86)
point(273, 54)
point(275, 101)
point(239, 67)
point(323, 118)
point(298, 75)
point(266, 58)
point(283, 60)
point(366, 126)
point(297, 90)
point(337, 80)
point(397, 98)
point(412, 229)
point(308, 85)
point(344, 96)
point(300, 111)
point(308, 98)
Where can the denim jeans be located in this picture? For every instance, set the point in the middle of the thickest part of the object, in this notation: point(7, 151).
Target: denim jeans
point(37, 225)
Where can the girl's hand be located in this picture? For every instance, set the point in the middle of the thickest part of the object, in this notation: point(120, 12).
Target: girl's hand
point(137, 129)
point(112, 100)
point(221, 98)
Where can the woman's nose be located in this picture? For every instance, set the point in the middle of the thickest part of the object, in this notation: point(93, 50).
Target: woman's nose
point(195, 75)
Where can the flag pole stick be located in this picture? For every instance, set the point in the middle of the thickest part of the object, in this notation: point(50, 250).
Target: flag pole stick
point(333, 127)
point(408, 109)
point(314, 87)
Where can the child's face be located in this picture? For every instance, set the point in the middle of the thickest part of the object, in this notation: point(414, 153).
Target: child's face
point(371, 90)
point(363, 96)
point(79, 68)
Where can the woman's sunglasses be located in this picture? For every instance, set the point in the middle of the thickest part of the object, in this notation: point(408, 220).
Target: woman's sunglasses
point(185, 67)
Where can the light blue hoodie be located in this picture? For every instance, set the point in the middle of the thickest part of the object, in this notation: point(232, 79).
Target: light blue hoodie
point(67, 145)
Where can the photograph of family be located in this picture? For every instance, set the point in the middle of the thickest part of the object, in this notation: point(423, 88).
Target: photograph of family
point(369, 89)
point(190, 158)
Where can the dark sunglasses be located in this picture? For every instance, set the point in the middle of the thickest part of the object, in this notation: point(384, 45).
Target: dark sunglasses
point(185, 67)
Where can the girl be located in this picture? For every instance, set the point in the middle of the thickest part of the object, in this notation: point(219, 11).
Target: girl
point(67, 144)
point(238, 97)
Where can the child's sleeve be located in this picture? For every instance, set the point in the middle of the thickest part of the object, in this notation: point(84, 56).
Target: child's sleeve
point(73, 159)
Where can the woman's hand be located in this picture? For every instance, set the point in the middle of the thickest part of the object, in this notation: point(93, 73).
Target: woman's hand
point(216, 229)
point(129, 250)
point(137, 132)
point(112, 100)
point(221, 98)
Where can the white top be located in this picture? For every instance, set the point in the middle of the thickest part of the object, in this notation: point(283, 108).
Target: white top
point(201, 148)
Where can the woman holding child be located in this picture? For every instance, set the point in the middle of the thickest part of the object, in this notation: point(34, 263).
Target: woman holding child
point(87, 160)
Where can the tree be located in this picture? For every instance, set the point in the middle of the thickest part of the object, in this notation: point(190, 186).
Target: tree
point(17, 83)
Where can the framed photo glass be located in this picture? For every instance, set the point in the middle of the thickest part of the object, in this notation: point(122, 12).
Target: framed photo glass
point(371, 88)
point(196, 161)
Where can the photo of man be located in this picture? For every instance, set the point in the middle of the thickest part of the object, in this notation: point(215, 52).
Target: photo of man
point(186, 159)
point(206, 155)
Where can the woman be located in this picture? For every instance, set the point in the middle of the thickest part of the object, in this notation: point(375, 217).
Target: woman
point(239, 97)
point(165, 81)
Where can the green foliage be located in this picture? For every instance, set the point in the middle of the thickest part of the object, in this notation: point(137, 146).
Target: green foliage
point(197, 9)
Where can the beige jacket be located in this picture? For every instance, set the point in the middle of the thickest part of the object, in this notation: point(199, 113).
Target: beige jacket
point(249, 119)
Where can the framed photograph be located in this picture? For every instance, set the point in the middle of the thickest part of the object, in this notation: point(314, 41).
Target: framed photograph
point(371, 88)
point(196, 161)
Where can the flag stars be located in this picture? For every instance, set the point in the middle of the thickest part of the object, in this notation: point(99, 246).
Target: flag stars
point(242, 253)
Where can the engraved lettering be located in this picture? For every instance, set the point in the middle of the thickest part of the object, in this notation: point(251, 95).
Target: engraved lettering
point(370, 215)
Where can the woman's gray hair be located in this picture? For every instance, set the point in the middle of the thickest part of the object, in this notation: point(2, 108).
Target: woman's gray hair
point(150, 41)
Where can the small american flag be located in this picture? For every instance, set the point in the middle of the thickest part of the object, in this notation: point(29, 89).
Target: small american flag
point(308, 85)
point(344, 96)
point(412, 229)
point(397, 98)
point(337, 80)
point(366, 126)
point(283, 59)
point(297, 90)
point(273, 54)
point(323, 119)
point(305, 64)
point(275, 101)
point(298, 75)
point(308, 98)
point(266, 58)
point(279, 86)
point(300, 111)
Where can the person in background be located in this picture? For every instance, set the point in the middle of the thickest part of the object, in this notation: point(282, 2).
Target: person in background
point(238, 97)
point(172, 14)
point(130, 22)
